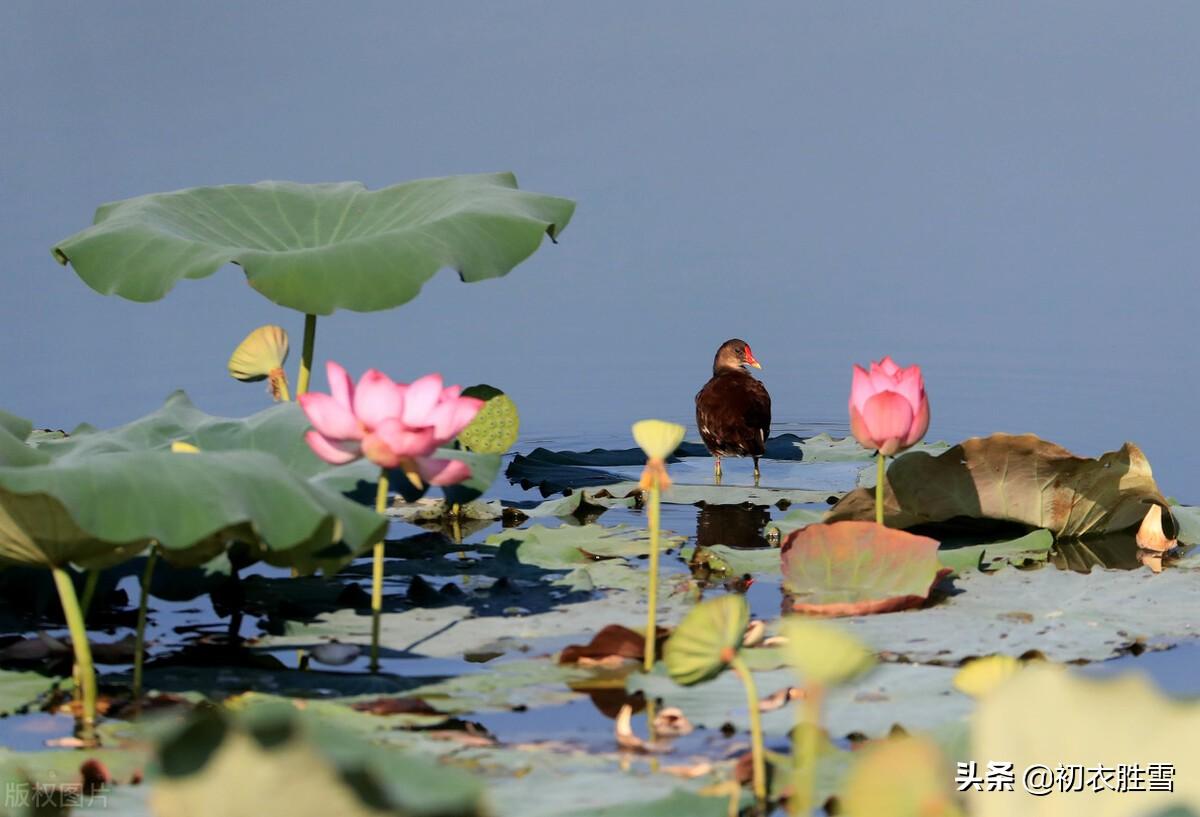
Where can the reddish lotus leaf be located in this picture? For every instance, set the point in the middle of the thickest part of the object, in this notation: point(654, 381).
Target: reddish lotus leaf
point(613, 641)
point(858, 568)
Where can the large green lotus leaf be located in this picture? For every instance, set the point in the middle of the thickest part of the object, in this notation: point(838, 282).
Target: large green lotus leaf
point(1046, 715)
point(721, 562)
point(222, 765)
point(278, 431)
point(707, 639)
point(101, 509)
point(1014, 478)
point(856, 568)
point(316, 248)
point(1064, 615)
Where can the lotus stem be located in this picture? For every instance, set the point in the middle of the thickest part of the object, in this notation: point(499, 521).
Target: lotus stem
point(279, 386)
point(377, 574)
point(306, 354)
point(652, 603)
point(881, 469)
point(139, 654)
point(89, 591)
point(757, 754)
point(83, 651)
point(804, 752)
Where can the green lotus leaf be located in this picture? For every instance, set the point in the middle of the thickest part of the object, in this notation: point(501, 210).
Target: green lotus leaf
point(566, 547)
point(707, 639)
point(105, 508)
point(856, 568)
point(1013, 478)
point(1089, 723)
point(497, 425)
point(676, 804)
point(216, 763)
point(316, 248)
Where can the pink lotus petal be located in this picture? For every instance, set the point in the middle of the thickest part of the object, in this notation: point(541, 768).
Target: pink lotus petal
point(881, 380)
point(889, 366)
point(443, 472)
point(379, 452)
point(340, 385)
point(910, 385)
point(451, 418)
point(337, 453)
point(889, 417)
point(421, 399)
point(405, 441)
point(329, 417)
point(860, 388)
point(920, 423)
point(858, 428)
point(378, 399)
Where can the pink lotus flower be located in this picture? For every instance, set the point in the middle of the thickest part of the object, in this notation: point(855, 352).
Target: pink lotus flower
point(888, 407)
point(392, 424)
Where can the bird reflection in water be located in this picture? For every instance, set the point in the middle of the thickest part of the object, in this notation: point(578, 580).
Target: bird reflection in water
point(735, 526)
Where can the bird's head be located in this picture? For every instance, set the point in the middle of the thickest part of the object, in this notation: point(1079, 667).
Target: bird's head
point(734, 354)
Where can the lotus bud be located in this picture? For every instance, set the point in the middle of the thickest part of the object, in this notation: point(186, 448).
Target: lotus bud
point(658, 439)
point(261, 356)
point(180, 447)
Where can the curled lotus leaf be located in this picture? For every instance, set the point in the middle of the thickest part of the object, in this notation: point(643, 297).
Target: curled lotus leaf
point(316, 248)
point(1013, 478)
point(262, 352)
point(857, 568)
point(707, 639)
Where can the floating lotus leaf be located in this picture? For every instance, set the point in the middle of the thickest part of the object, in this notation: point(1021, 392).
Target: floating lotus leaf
point(497, 425)
point(263, 351)
point(566, 547)
point(658, 438)
point(1049, 716)
point(855, 568)
point(900, 777)
point(1013, 478)
point(219, 765)
point(316, 248)
point(707, 639)
point(822, 653)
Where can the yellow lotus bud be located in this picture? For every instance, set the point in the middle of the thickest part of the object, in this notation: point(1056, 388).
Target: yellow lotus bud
point(658, 438)
point(180, 447)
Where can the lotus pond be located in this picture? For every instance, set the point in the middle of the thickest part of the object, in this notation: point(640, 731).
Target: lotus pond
point(387, 599)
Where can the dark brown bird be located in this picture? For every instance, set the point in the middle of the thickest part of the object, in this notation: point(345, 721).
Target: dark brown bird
point(733, 410)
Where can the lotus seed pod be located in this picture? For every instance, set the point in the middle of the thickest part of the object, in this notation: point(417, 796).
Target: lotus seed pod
point(497, 425)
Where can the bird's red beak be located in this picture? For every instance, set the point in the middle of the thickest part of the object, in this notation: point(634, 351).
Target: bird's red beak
point(751, 360)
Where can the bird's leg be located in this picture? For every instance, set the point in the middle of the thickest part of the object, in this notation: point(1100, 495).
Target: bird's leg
point(756, 474)
point(717, 468)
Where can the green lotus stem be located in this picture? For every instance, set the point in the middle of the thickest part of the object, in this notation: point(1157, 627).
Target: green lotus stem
point(79, 642)
point(757, 753)
point(652, 603)
point(139, 654)
point(881, 468)
point(306, 354)
point(281, 385)
point(89, 591)
point(804, 752)
point(377, 574)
